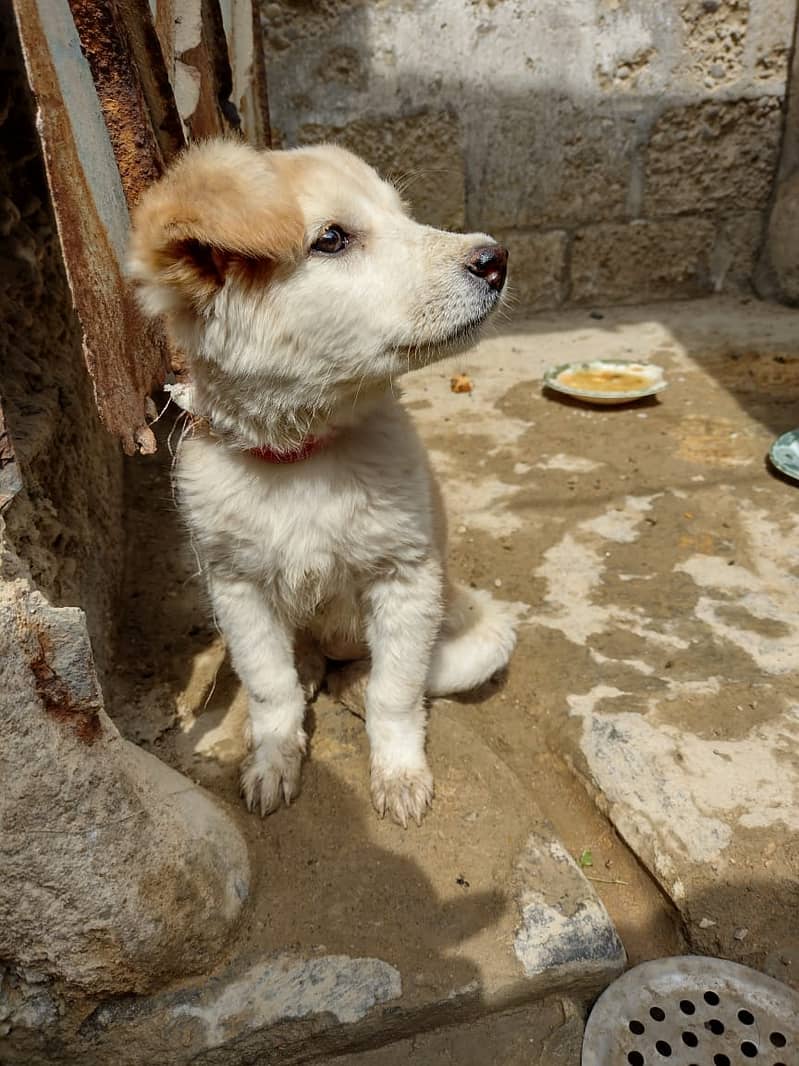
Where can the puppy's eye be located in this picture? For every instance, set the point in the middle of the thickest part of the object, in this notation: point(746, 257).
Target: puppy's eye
point(332, 241)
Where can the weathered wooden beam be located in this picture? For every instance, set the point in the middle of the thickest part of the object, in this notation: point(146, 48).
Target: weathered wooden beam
point(194, 46)
point(126, 355)
point(120, 86)
point(120, 44)
point(245, 48)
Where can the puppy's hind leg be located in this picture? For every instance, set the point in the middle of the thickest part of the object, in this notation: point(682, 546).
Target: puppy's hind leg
point(311, 665)
point(262, 650)
point(347, 685)
point(476, 640)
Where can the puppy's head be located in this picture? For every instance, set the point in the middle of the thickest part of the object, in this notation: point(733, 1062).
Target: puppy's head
point(305, 266)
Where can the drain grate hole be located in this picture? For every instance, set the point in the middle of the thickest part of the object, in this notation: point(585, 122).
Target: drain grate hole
point(635, 1058)
point(778, 1039)
point(716, 1026)
point(687, 1007)
point(663, 1048)
point(690, 1039)
point(721, 1060)
point(711, 998)
point(745, 1017)
point(748, 1049)
point(637, 1027)
point(657, 1014)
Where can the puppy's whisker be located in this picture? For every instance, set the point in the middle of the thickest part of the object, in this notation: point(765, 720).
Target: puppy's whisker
point(358, 390)
point(405, 178)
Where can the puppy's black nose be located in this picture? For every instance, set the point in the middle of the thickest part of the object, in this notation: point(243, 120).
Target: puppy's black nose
point(489, 263)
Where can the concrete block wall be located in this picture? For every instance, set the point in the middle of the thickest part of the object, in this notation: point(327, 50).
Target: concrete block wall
point(624, 149)
point(777, 273)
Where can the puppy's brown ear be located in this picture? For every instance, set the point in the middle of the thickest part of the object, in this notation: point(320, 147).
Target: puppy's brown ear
point(221, 202)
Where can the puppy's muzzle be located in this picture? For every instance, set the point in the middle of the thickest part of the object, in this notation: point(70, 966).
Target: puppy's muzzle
point(489, 263)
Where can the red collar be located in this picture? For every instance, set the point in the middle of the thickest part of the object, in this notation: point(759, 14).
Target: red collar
point(310, 446)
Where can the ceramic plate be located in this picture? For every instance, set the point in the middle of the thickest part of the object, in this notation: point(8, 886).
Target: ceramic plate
point(784, 454)
point(606, 380)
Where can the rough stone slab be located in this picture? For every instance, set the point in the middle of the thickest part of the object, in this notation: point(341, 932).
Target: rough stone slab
point(547, 1032)
point(653, 260)
point(117, 871)
point(712, 157)
point(284, 1002)
point(360, 933)
point(291, 1009)
point(345, 988)
point(565, 932)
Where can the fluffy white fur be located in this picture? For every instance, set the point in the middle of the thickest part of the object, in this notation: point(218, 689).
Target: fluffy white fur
point(348, 546)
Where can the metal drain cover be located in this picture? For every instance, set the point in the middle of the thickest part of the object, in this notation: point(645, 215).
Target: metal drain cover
point(693, 1011)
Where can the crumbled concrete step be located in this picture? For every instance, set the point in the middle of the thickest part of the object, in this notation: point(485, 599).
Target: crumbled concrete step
point(362, 934)
point(546, 1033)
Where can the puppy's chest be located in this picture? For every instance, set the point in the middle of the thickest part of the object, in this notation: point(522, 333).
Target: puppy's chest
point(312, 534)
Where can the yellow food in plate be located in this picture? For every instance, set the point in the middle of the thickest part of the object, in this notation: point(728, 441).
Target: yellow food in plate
point(605, 380)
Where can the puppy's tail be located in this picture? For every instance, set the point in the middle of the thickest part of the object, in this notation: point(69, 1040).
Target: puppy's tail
point(477, 639)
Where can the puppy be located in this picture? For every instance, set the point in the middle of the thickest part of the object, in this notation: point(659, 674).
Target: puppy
point(300, 289)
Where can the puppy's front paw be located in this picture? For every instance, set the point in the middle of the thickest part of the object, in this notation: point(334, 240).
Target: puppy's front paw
point(402, 792)
point(271, 773)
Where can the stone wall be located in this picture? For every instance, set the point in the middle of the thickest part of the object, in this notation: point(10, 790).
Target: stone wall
point(623, 149)
point(777, 275)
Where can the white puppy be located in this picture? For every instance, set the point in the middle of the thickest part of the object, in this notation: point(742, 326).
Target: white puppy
point(300, 289)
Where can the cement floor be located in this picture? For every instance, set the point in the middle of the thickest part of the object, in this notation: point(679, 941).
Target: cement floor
point(651, 712)
point(657, 557)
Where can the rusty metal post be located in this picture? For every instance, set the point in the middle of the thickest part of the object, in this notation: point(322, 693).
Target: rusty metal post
point(126, 356)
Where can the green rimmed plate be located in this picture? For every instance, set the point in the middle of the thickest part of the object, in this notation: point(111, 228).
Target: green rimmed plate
point(784, 454)
point(606, 381)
